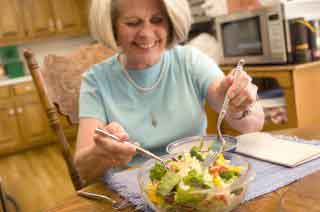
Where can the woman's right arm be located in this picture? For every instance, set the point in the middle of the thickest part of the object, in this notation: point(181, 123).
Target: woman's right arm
point(96, 154)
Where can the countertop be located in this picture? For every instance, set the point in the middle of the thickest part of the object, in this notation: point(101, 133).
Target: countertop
point(7, 81)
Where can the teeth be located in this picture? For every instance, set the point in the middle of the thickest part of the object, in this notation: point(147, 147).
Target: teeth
point(147, 46)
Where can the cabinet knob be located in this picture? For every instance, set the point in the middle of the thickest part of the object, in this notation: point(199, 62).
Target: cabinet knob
point(59, 24)
point(28, 88)
point(11, 112)
point(19, 110)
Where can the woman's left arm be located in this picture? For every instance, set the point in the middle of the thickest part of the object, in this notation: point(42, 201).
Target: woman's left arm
point(245, 114)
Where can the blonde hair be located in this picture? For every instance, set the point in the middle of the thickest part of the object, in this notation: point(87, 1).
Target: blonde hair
point(103, 14)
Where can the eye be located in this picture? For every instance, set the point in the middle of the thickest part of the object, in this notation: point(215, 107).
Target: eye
point(156, 19)
point(134, 22)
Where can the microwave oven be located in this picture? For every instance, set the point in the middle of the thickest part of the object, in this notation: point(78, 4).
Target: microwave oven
point(259, 36)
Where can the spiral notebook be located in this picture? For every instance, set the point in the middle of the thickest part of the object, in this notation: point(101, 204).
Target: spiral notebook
point(266, 147)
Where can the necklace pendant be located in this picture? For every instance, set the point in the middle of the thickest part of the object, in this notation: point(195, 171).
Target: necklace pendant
point(154, 122)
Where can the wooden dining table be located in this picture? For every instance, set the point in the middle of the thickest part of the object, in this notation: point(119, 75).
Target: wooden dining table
point(299, 196)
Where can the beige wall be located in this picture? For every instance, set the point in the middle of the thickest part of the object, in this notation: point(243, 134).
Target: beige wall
point(55, 46)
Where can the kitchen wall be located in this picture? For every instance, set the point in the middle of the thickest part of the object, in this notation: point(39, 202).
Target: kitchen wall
point(55, 46)
point(208, 45)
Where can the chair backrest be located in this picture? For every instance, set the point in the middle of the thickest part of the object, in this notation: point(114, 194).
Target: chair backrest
point(58, 84)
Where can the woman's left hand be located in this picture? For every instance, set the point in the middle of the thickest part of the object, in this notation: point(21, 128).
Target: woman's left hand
point(242, 92)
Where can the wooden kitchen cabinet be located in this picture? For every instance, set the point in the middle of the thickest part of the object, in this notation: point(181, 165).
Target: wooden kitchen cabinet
point(23, 122)
point(11, 26)
point(84, 8)
point(39, 18)
point(66, 15)
point(23, 21)
point(9, 130)
point(48, 17)
point(32, 119)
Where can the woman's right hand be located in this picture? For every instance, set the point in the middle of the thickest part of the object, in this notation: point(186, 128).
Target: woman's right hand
point(117, 153)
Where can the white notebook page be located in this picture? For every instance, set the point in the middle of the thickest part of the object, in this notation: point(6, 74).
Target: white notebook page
point(266, 147)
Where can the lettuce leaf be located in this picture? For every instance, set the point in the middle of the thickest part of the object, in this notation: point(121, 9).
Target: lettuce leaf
point(157, 172)
point(195, 151)
point(167, 183)
point(187, 197)
point(195, 179)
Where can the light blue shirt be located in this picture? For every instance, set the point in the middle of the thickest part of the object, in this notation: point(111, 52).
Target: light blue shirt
point(172, 110)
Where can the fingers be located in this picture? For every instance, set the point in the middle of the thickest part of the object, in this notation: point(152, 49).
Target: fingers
point(242, 93)
point(239, 84)
point(116, 129)
point(225, 84)
point(116, 152)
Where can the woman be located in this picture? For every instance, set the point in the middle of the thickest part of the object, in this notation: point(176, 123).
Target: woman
point(153, 90)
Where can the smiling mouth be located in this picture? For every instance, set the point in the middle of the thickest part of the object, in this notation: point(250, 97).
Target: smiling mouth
point(146, 46)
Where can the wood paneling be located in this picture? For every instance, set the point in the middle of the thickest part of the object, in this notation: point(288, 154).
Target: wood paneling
point(9, 132)
point(307, 90)
point(23, 122)
point(23, 21)
point(4, 92)
point(10, 21)
point(66, 15)
point(32, 118)
point(23, 88)
point(39, 18)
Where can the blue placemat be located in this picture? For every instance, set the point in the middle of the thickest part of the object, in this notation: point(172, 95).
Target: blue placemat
point(269, 177)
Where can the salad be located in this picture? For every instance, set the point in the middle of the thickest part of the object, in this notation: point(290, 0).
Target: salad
point(186, 186)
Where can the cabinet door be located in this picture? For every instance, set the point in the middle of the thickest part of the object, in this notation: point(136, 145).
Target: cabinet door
point(84, 7)
point(67, 15)
point(32, 118)
point(11, 27)
point(39, 18)
point(9, 132)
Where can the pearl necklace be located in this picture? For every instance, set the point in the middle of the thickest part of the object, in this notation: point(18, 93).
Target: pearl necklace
point(138, 87)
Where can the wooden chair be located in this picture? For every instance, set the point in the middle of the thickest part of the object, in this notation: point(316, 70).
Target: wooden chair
point(7, 202)
point(3, 199)
point(58, 84)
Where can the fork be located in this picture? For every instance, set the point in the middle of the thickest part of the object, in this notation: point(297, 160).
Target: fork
point(117, 205)
point(209, 158)
point(213, 155)
point(135, 144)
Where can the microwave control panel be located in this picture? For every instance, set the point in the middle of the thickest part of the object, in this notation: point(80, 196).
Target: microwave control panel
point(276, 33)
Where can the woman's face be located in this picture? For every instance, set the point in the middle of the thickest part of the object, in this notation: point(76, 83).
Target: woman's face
point(142, 28)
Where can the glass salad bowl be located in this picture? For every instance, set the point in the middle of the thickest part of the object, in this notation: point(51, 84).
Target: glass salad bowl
point(209, 141)
point(187, 186)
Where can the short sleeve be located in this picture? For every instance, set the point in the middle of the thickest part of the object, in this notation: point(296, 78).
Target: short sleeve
point(204, 70)
point(90, 100)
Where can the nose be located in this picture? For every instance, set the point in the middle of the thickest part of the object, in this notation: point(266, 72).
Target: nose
point(146, 30)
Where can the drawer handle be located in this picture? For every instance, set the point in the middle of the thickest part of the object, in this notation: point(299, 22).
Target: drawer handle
point(28, 88)
point(19, 110)
point(11, 112)
point(51, 25)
